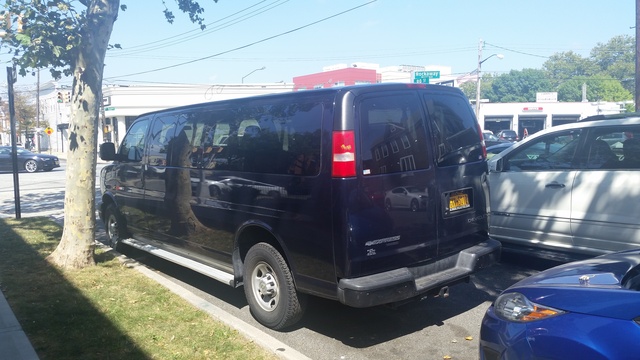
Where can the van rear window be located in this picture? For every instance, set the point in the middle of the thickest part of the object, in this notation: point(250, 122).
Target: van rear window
point(454, 128)
point(393, 134)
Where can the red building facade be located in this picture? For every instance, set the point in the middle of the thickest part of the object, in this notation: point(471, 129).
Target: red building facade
point(332, 78)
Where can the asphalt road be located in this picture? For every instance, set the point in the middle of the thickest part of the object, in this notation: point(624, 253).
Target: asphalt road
point(431, 329)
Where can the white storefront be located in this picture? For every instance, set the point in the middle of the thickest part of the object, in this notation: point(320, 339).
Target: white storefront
point(536, 116)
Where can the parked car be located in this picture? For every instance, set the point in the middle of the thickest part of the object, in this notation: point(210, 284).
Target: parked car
point(508, 135)
point(284, 194)
point(568, 190)
point(406, 197)
point(583, 310)
point(27, 160)
point(491, 140)
point(497, 149)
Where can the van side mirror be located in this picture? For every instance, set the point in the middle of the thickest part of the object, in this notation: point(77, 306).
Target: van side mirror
point(107, 151)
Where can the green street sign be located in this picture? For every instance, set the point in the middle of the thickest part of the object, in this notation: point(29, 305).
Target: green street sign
point(111, 108)
point(422, 77)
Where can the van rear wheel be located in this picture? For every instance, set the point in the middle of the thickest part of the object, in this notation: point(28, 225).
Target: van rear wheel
point(269, 288)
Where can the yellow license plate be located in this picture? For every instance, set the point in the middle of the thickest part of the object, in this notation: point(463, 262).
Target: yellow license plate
point(458, 201)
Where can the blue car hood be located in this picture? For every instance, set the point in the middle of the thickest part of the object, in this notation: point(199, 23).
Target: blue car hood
point(608, 285)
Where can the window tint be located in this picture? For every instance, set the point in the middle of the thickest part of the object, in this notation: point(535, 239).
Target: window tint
point(554, 151)
point(454, 128)
point(622, 150)
point(162, 132)
point(270, 137)
point(393, 134)
point(132, 146)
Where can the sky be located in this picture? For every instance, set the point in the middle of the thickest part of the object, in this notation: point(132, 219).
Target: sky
point(297, 37)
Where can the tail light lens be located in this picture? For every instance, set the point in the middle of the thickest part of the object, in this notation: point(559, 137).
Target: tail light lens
point(344, 158)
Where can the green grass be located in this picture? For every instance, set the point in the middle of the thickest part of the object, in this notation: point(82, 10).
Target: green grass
point(109, 311)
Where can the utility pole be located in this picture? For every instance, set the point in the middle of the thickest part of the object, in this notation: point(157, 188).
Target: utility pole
point(637, 89)
point(37, 131)
point(479, 78)
point(11, 79)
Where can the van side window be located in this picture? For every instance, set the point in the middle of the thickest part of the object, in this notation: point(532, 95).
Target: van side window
point(454, 129)
point(162, 132)
point(387, 121)
point(264, 138)
point(133, 143)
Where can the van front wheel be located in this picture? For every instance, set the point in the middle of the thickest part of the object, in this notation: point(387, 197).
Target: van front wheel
point(114, 225)
point(269, 288)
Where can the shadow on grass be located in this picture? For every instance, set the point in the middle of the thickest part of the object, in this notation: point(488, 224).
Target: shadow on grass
point(59, 320)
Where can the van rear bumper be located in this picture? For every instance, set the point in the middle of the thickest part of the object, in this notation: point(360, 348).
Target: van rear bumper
point(406, 283)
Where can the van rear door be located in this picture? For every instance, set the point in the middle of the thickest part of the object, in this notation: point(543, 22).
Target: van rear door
point(418, 195)
point(461, 171)
point(392, 209)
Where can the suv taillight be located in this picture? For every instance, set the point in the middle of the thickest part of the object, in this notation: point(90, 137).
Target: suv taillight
point(343, 162)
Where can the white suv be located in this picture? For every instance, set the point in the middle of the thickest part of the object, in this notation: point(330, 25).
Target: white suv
point(574, 189)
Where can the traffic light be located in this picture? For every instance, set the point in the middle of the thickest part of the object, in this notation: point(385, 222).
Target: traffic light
point(67, 97)
point(106, 129)
point(59, 97)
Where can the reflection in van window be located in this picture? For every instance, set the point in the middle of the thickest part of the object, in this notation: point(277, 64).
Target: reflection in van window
point(455, 130)
point(265, 138)
point(387, 121)
point(133, 144)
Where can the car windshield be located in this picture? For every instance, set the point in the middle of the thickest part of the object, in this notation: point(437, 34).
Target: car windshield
point(412, 189)
point(24, 151)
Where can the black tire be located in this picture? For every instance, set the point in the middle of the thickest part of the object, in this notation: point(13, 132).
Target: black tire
point(269, 288)
point(387, 205)
point(415, 206)
point(31, 166)
point(114, 226)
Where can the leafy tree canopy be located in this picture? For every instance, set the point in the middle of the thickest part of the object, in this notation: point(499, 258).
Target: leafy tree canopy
point(599, 88)
point(518, 86)
point(47, 33)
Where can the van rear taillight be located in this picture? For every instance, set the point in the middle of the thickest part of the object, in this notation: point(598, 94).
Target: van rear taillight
point(344, 158)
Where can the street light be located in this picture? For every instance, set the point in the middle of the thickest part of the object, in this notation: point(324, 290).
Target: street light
point(479, 77)
point(262, 68)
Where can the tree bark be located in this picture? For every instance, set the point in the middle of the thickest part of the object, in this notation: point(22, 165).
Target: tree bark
point(76, 248)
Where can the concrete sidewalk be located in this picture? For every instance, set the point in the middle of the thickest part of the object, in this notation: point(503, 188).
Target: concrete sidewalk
point(14, 343)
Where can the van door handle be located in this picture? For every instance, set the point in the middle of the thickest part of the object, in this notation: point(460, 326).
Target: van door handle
point(554, 185)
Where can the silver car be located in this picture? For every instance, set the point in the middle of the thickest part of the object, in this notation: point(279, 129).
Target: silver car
point(569, 189)
point(405, 197)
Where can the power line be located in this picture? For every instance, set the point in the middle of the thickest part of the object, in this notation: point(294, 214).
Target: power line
point(517, 52)
point(247, 45)
point(146, 48)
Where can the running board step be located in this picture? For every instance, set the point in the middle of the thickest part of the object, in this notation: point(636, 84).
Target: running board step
point(182, 261)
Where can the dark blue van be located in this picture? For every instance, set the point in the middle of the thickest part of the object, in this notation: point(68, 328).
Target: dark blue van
point(368, 195)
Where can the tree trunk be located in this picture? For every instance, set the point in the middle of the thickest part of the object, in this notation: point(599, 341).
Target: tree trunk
point(76, 248)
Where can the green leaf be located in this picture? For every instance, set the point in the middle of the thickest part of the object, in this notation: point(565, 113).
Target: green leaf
point(23, 39)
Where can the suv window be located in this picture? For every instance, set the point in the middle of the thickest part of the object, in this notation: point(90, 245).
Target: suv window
point(624, 148)
point(393, 134)
point(554, 151)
